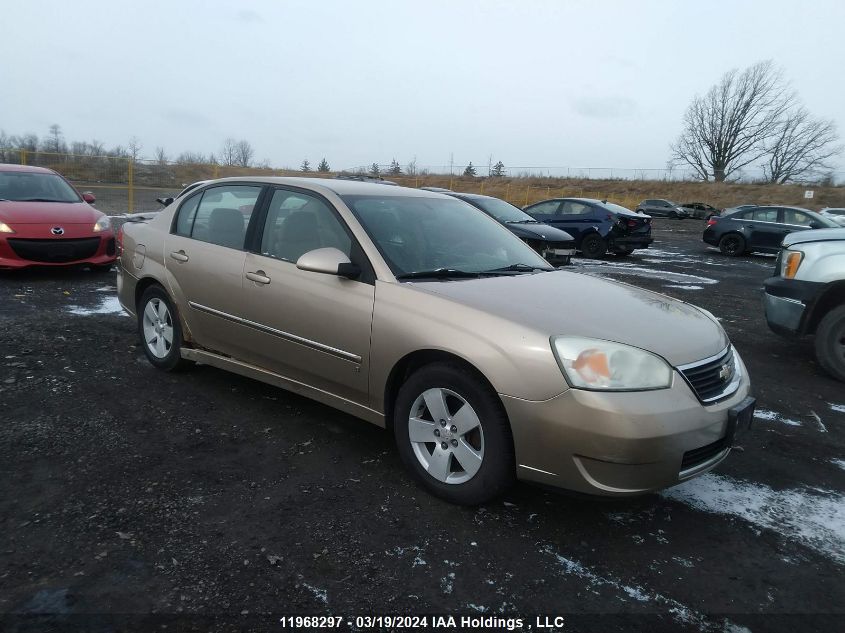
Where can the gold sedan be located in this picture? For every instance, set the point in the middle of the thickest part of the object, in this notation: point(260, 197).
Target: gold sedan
point(419, 313)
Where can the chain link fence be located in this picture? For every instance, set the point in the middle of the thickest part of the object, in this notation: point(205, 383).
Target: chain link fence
point(124, 185)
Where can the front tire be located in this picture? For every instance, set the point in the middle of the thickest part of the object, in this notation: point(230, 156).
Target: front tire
point(453, 434)
point(593, 246)
point(830, 343)
point(160, 331)
point(732, 244)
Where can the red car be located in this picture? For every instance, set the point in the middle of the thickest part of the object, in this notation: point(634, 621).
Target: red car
point(44, 221)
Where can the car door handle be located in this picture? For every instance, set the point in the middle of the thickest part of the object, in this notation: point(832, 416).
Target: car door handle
point(179, 256)
point(259, 277)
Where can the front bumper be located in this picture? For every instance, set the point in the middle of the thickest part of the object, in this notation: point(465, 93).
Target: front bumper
point(787, 302)
point(621, 443)
point(22, 252)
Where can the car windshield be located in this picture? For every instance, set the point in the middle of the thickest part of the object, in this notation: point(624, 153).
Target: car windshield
point(22, 186)
point(428, 234)
point(503, 211)
point(616, 208)
point(824, 221)
point(835, 211)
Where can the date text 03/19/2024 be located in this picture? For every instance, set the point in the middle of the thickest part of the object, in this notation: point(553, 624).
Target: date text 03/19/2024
point(450, 622)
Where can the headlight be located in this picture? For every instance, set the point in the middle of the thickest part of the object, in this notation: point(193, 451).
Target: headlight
point(789, 263)
point(5, 228)
point(599, 365)
point(103, 224)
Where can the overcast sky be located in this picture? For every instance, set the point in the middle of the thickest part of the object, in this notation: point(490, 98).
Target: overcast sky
point(535, 83)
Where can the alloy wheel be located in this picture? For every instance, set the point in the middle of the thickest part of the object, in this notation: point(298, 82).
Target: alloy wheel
point(158, 328)
point(446, 436)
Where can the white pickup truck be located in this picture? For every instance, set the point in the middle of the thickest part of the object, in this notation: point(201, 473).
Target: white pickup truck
point(807, 293)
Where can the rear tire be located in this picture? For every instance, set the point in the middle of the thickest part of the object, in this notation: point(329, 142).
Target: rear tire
point(830, 343)
point(593, 246)
point(732, 244)
point(444, 404)
point(158, 321)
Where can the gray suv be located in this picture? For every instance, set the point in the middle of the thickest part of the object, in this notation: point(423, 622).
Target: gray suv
point(663, 208)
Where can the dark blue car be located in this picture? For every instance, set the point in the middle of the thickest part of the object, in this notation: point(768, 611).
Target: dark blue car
point(598, 226)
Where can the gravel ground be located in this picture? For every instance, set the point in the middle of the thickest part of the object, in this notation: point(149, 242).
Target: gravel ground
point(131, 499)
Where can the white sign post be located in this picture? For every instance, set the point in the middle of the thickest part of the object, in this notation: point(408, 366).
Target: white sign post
point(808, 194)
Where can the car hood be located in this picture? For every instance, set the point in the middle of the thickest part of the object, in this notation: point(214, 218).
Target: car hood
point(576, 304)
point(48, 212)
point(816, 235)
point(540, 231)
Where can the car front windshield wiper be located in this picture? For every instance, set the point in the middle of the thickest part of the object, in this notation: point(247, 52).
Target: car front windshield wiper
point(522, 222)
point(42, 200)
point(516, 268)
point(438, 273)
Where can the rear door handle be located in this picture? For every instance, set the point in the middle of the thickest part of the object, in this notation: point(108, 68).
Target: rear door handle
point(259, 277)
point(179, 256)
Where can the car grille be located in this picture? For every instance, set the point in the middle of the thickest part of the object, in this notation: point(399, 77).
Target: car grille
point(55, 251)
point(712, 379)
point(701, 455)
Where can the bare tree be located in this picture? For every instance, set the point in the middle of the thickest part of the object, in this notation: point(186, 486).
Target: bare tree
point(135, 147)
point(97, 148)
point(728, 127)
point(800, 147)
point(160, 156)
point(29, 142)
point(55, 141)
point(229, 154)
point(243, 153)
point(411, 167)
point(374, 170)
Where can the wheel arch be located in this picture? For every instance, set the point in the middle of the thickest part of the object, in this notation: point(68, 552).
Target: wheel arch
point(832, 297)
point(142, 286)
point(415, 360)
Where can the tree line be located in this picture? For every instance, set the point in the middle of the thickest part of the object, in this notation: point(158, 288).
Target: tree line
point(754, 117)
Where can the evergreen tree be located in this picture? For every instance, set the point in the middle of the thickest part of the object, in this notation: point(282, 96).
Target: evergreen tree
point(306, 166)
point(470, 170)
point(395, 168)
point(374, 170)
point(323, 167)
point(498, 170)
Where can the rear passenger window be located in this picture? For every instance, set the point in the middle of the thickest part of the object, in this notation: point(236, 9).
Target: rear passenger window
point(223, 215)
point(766, 215)
point(187, 213)
point(297, 223)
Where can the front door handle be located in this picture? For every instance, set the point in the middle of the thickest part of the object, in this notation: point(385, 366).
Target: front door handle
point(179, 256)
point(259, 277)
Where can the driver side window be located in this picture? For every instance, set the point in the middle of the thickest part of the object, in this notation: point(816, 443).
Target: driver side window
point(297, 223)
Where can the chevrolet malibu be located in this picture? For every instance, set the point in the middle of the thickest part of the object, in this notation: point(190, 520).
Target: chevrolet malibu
point(421, 314)
point(44, 221)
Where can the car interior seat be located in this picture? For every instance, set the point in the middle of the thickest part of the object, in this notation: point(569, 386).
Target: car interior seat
point(226, 227)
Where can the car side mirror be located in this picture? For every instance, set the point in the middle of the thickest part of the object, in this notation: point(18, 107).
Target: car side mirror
point(329, 261)
point(815, 224)
point(165, 202)
point(89, 197)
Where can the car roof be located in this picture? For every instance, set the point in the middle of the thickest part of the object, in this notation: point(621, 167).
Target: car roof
point(471, 196)
point(26, 168)
point(337, 186)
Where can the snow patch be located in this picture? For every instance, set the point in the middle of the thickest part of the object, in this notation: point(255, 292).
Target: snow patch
point(774, 416)
point(838, 462)
point(109, 305)
point(679, 611)
point(815, 519)
point(839, 408)
point(639, 271)
point(683, 287)
point(321, 594)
